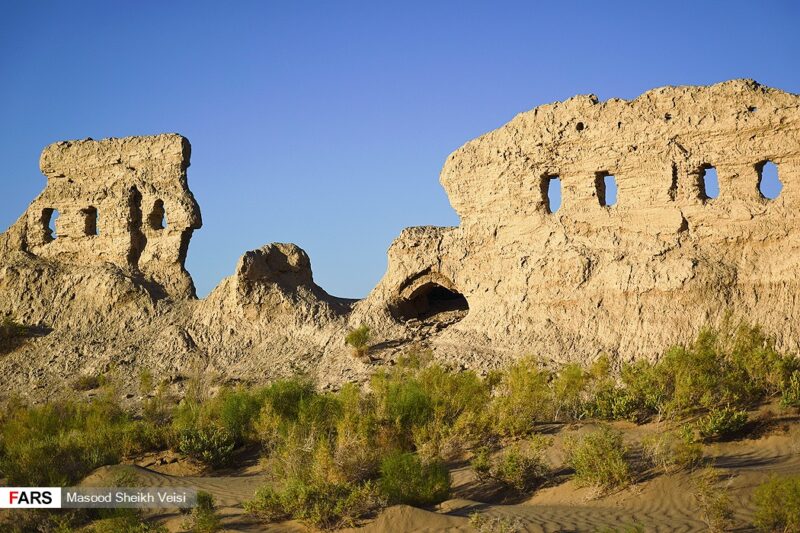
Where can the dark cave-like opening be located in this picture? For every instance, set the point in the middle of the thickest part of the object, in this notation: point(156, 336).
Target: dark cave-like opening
point(432, 302)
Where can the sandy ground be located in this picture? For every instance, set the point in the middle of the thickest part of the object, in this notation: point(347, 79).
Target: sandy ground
point(657, 501)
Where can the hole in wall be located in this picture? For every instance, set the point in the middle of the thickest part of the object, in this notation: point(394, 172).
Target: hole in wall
point(90, 221)
point(49, 217)
point(138, 238)
point(579, 126)
point(606, 185)
point(157, 218)
point(432, 303)
point(708, 183)
point(752, 109)
point(551, 192)
point(667, 117)
point(769, 182)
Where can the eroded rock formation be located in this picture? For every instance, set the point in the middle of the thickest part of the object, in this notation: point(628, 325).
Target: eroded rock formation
point(516, 276)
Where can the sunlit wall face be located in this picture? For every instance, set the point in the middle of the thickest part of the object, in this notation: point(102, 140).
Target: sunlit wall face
point(327, 123)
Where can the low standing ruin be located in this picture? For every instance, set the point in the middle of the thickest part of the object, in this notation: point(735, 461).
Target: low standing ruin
point(661, 226)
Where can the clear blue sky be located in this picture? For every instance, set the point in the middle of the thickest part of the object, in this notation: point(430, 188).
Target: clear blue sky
point(326, 123)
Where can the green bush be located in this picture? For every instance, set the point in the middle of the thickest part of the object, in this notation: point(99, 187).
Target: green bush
point(731, 366)
point(458, 419)
point(777, 504)
point(324, 505)
point(522, 398)
point(721, 423)
point(406, 479)
point(211, 445)
point(568, 390)
point(790, 391)
point(358, 339)
point(282, 402)
point(713, 502)
point(608, 400)
point(599, 458)
point(159, 407)
point(203, 518)
point(611, 402)
point(673, 450)
point(513, 467)
point(232, 412)
point(56, 444)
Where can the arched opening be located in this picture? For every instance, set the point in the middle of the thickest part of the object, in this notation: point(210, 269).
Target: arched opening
point(606, 186)
point(551, 193)
point(157, 218)
point(49, 217)
point(769, 183)
point(90, 221)
point(432, 303)
point(708, 184)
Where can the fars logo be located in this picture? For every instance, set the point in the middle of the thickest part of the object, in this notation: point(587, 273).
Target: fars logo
point(30, 497)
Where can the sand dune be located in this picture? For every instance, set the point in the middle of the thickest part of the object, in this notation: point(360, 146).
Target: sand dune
point(658, 502)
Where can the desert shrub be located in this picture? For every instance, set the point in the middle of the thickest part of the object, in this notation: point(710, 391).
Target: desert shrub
point(731, 366)
point(612, 402)
point(159, 407)
point(211, 445)
point(56, 444)
point(12, 334)
point(646, 388)
point(495, 524)
point(324, 505)
point(721, 423)
point(87, 382)
point(203, 518)
point(753, 357)
point(458, 402)
point(522, 398)
point(599, 458)
point(140, 436)
point(522, 470)
point(358, 339)
point(608, 400)
point(777, 503)
point(286, 395)
point(713, 501)
point(280, 409)
point(401, 405)
point(210, 429)
point(734, 365)
point(790, 390)
point(233, 410)
point(406, 479)
point(356, 452)
point(673, 450)
point(568, 390)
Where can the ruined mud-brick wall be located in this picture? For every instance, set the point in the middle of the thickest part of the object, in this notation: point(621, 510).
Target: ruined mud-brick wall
point(630, 278)
point(119, 201)
point(108, 289)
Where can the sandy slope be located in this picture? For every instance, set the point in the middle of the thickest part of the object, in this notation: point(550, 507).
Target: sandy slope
point(659, 502)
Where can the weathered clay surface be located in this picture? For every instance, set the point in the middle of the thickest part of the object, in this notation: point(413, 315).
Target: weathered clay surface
point(119, 201)
point(631, 278)
point(512, 278)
